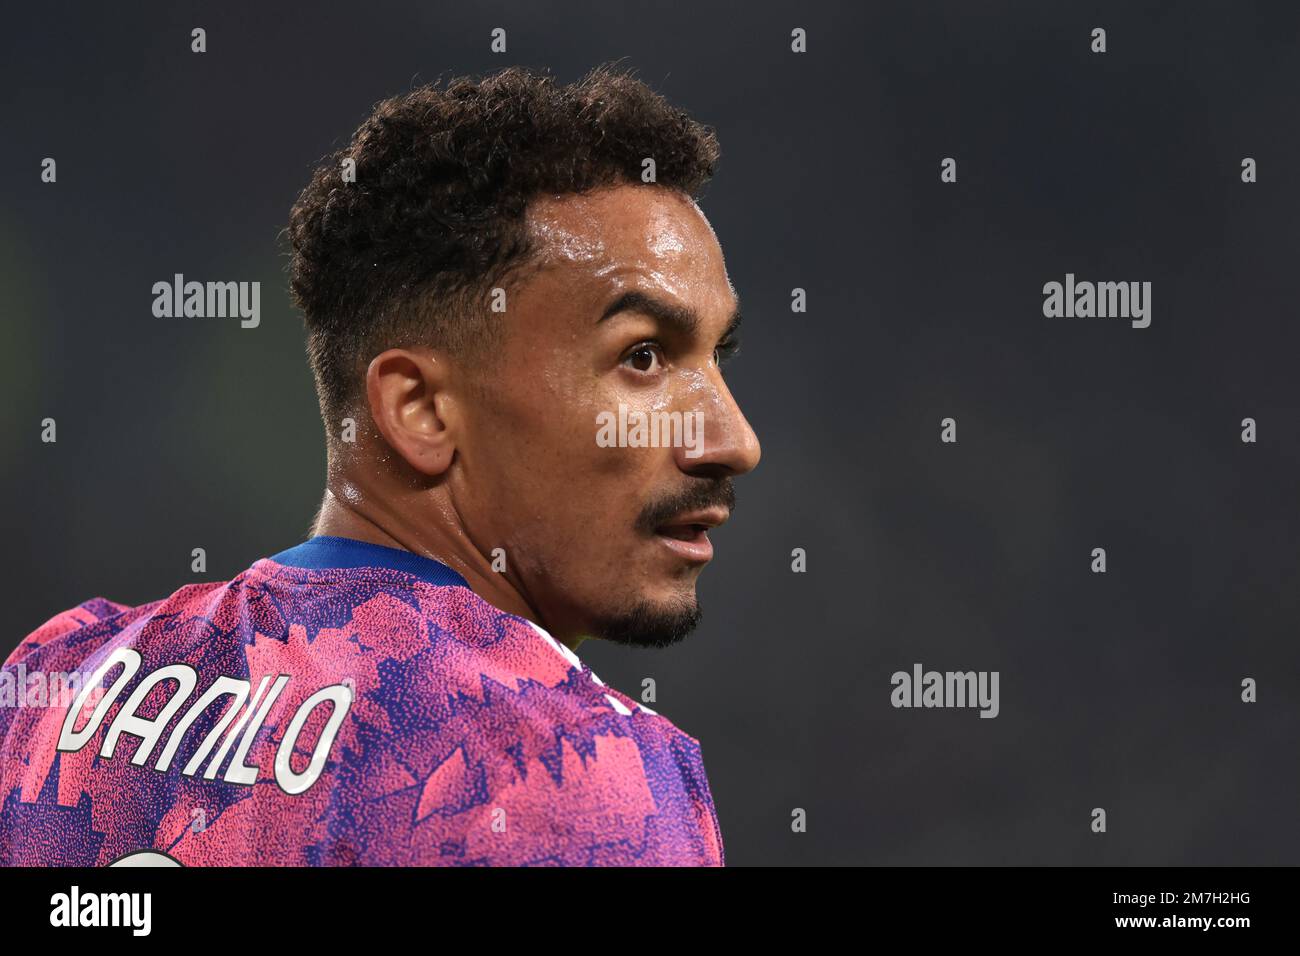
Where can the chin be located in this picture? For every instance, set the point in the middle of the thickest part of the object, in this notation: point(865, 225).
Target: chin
point(646, 622)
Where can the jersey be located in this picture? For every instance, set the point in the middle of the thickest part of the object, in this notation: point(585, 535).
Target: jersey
point(338, 703)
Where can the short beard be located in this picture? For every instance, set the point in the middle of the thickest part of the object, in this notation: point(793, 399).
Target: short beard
point(649, 625)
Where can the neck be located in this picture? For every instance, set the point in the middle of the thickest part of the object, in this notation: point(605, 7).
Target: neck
point(347, 512)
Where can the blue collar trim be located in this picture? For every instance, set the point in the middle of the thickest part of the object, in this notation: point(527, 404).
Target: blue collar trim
point(327, 551)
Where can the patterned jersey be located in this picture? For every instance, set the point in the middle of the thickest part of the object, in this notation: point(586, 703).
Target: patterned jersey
point(338, 703)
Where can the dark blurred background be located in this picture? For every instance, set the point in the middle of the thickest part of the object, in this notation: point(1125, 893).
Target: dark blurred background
point(1118, 690)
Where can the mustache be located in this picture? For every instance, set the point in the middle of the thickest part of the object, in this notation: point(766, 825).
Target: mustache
point(707, 493)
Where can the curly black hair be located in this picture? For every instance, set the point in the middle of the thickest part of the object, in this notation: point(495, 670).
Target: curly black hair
point(409, 252)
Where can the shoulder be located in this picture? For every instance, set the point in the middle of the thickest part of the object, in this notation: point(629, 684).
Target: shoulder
point(86, 614)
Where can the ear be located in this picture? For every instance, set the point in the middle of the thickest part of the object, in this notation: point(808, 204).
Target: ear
point(407, 390)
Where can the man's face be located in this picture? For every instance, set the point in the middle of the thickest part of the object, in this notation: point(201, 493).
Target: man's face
point(623, 326)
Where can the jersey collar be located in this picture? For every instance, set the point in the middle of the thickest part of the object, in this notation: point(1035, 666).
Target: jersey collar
point(327, 551)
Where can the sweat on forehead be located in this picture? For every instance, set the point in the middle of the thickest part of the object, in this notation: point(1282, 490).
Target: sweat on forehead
point(622, 219)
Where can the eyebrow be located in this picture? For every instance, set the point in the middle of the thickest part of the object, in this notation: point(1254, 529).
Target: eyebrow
point(684, 320)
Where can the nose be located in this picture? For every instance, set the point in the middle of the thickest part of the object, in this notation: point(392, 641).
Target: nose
point(724, 445)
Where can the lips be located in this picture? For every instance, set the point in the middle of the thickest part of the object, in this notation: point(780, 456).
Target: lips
point(687, 536)
point(699, 520)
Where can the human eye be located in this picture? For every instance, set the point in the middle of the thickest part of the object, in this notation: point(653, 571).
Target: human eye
point(644, 357)
point(726, 349)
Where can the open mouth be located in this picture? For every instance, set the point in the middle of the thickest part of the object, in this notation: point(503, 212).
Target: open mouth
point(684, 532)
point(687, 539)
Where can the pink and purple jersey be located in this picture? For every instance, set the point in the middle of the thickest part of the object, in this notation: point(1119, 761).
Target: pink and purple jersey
point(338, 703)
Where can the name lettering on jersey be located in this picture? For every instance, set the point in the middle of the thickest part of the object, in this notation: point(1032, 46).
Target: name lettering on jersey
point(150, 731)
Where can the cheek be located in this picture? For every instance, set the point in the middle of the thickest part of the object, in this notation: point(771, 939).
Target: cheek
point(545, 440)
point(590, 494)
point(538, 459)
